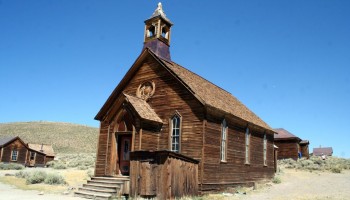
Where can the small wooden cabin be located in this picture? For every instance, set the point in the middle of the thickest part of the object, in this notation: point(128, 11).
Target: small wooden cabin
point(40, 154)
point(290, 146)
point(327, 151)
point(13, 150)
point(160, 105)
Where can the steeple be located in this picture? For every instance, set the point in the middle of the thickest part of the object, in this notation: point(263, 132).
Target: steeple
point(157, 33)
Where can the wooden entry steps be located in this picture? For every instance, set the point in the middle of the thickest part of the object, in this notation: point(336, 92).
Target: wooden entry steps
point(104, 188)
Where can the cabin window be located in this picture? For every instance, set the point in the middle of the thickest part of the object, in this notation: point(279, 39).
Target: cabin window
point(223, 152)
point(175, 133)
point(265, 150)
point(14, 155)
point(247, 146)
point(32, 155)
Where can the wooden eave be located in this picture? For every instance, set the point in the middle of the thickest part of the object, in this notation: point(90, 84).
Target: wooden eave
point(290, 138)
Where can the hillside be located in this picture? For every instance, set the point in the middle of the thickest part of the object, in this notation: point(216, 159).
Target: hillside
point(65, 137)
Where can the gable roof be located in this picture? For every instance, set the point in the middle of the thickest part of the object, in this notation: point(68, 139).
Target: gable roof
point(206, 92)
point(6, 140)
point(328, 151)
point(143, 109)
point(44, 148)
point(284, 134)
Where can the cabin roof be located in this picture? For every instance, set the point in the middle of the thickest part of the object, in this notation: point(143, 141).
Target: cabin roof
point(45, 148)
point(328, 151)
point(284, 134)
point(206, 92)
point(5, 140)
point(143, 108)
point(304, 142)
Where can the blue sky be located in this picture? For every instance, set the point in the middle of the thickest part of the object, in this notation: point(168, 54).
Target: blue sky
point(288, 61)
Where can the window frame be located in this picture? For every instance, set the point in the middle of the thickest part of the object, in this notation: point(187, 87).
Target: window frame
point(12, 155)
point(171, 131)
point(32, 154)
point(223, 140)
point(247, 146)
point(265, 150)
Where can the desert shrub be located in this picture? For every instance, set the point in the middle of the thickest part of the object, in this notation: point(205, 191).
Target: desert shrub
point(60, 165)
point(288, 163)
point(54, 179)
point(276, 180)
point(22, 174)
point(83, 168)
point(56, 165)
point(78, 160)
point(36, 177)
point(11, 166)
point(336, 169)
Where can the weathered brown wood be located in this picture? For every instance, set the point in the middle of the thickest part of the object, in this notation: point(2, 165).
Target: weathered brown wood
point(287, 149)
point(163, 174)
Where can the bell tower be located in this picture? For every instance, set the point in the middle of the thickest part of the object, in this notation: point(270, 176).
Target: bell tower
point(157, 33)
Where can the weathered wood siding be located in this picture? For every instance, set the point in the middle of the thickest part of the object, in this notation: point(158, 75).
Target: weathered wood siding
point(49, 158)
point(101, 167)
point(287, 149)
point(22, 152)
point(304, 150)
point(170, 97)
point(218, 175)
point(39, 160)
point(164, 175)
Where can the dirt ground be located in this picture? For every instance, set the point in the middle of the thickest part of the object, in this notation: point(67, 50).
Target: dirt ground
point(298, 185)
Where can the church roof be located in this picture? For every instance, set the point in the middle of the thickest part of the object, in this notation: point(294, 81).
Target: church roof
point(143, 108)
point(159, 12)
point(214, 96)
point(206, 92)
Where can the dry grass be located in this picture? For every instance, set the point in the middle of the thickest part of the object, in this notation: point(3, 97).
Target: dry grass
point(74, 178)
point(65, 137)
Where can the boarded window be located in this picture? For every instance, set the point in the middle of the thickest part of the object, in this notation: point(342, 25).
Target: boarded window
point(265, 150)
point(14, 155)
point(223, 152)
point(175, 133)
point(247, 146)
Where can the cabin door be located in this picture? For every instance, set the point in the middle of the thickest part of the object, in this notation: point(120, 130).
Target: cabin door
point(124, 144)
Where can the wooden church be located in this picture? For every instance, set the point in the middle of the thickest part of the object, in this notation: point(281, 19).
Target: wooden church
point(173, 133)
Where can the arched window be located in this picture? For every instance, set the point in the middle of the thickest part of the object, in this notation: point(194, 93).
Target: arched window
point(223, 152)
point(175, 133)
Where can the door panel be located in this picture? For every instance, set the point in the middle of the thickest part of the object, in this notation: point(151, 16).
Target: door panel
point(124, 154)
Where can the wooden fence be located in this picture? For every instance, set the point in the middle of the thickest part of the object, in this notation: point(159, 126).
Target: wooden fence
point(162, 174)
